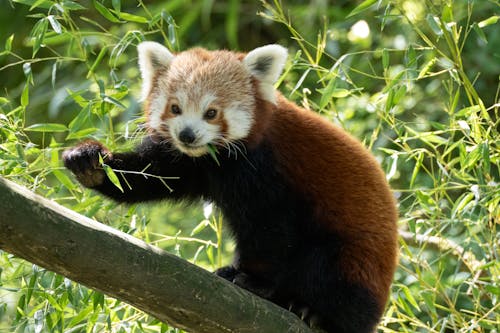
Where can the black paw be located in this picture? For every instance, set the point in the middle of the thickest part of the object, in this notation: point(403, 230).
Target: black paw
point(245, 281)
point(83, 161)
point(305, 313)
point(227, 273)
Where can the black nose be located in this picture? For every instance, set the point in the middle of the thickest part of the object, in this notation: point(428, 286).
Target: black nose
point(187, 136)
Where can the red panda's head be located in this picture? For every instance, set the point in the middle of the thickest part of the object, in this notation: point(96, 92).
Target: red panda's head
point(199, 98)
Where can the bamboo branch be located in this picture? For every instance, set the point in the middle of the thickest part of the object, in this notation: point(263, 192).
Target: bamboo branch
point(117, 264)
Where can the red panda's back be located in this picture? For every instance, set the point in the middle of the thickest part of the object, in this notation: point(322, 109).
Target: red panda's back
point(347, 188)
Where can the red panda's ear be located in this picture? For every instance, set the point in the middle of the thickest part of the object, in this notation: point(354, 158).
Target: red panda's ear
point(265, 64)
point(153, 57)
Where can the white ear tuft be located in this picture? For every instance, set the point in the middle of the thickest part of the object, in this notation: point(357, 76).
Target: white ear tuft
point(153, 57)
point(265, 64)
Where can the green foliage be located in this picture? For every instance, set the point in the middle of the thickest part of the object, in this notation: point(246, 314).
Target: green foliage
point(417, 81)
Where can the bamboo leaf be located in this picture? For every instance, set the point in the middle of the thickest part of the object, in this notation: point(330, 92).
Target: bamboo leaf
point(54, 24)
point(105, 12)
point(385, 59)
point(362, 7)
point(25, 96)
point(432, 21)
point(132, 18)
point(111, 174)
point(8, 43)
point(479, 32)
point(47, 127)
point(489, 21)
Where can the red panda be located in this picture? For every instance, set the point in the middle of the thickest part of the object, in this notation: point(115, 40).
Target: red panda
point(312, 215)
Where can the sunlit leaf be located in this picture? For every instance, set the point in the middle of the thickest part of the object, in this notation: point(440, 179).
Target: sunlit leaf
point(489, 21)
point(362, 7)
point(132, 18)
point(8, 43)
point(432, 21)
point(111, 174)
point(47, 127)
point(25, 96)
point(54, 24)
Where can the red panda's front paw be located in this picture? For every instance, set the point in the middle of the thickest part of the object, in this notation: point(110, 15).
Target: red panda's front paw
point(83, 161)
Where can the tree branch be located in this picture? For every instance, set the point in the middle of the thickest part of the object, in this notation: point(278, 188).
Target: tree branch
point(105, 259)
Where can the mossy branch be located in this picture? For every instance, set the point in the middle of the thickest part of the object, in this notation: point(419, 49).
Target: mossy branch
point(119, 265)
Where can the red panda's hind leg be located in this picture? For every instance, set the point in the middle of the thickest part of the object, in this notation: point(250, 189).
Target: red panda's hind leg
point(255, 285)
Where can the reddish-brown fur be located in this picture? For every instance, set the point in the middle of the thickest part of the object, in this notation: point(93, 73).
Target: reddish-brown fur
point(346, 184)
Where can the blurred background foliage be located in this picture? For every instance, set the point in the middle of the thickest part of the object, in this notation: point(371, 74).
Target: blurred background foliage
point(416, 80)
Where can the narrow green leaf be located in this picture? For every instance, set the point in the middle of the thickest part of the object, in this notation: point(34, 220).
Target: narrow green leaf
point(212, 150)
point(8, 43)
point(409, 297)
point(429, 300)
point(300, 81)
point(472, 157)
point(97, 61)
point(399, 94)
point(489, 21)
point(114, 101)
point(479, 32)
point(53, 75)
point(38, 34)
point(461, 203)
point(393, 81)
point(416, 169)
point(81, 134)
point(200, 227)
point(340, 93)
point(54, 24)
point(43, 4)
point(362, 7)
point(385, 59)
point(132, 18)
point(468, 110)
point(447, 13)
point(485, 149)
point(80, 119)
point(53, 302)
point(117, 5)
point(98, 300)
point(426, 68)
point(38, 3)
point(111, 174)
point(71, 5)
point(31, 286)
point(432, 21)
point(326, 93)
point(63, 178)
point(457, 279)
point(47, 127)
point(25, 96)
point(105, 12)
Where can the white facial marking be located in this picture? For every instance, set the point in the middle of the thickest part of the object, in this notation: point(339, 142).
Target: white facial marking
point(239, 118)
point(156, 109)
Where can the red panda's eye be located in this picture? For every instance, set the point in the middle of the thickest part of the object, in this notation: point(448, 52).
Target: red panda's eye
point(175, 109)
point(210, 114)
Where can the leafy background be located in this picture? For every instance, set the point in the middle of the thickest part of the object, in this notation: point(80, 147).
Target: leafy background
point(416, 80)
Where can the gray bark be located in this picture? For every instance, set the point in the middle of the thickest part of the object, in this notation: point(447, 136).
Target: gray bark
point(119, 265)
